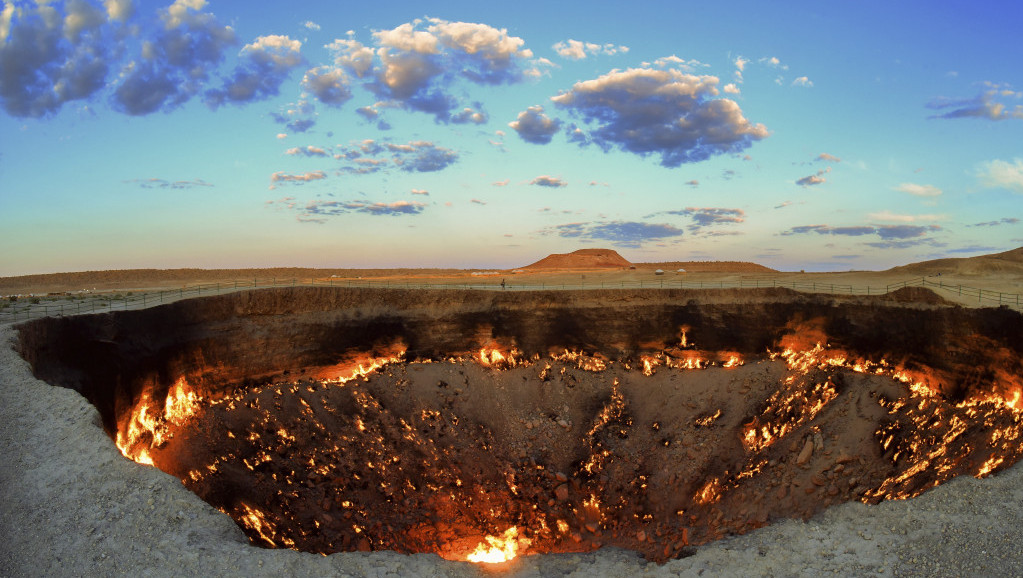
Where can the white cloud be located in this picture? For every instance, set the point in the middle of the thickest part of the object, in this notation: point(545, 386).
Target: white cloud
point(802, 81)
point(309, 24)
point(578, 50)
point(919, 190)
point(887, 215)
point(999, 174)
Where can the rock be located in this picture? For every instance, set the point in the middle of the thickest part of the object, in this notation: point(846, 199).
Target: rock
point(641, 536)
point(806, 453)
point(561, 492)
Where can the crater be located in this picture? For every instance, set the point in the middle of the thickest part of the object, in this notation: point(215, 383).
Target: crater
point(484, 425)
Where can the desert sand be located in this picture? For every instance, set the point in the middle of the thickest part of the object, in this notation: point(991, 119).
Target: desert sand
point(74, 506)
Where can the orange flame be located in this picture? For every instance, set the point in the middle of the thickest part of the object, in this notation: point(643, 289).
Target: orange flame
point(499, 549)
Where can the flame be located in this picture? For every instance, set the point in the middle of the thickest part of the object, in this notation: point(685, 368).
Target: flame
point(146, 421)
point(498, 549)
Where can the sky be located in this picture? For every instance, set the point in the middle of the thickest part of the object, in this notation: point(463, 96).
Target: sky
point(824, 136)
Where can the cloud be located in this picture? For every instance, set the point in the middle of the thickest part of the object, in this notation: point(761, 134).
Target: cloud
point(988, 104)
point(783, 205)
point(534, 126)
point(263, 66)
point(420, 192)
point(889, 216)
point(411, 157)
point(905, 231)
point(314, 209)
point(706, 216)
point(1002, 221)
point(621, 233)
point(740, 67)
point(904, 244)
point(48, 59)
point(886, 232)
point(578, 50)
point(503, 183)
point(814, 179)
point(828, 158)
point(309, 151)
point(174, 65)
point(919, 190)
point(477, 202)
point(165, 184)
point(803, 81)
point(282, 177)
point(548, 181)
point(999, 174)
point(773, 62)
point(426, 157)
point(693, 183)
point(310, 25)
point(298, 117)
point(470, 115)
point(328, 84)
point(975, 249)
point(665, 112)
point(420, 60)
point(731, 88)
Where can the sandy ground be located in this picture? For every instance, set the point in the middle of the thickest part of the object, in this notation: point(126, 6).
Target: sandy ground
point(72, 506)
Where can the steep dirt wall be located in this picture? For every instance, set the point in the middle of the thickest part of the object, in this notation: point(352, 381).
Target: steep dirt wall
point(224, 341)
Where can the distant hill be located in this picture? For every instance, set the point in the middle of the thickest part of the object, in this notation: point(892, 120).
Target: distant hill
point(582, 259)
point(709, 266)
point(1008, 262)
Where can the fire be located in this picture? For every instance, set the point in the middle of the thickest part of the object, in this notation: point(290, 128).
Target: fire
point(146, 421)
point(498, 549)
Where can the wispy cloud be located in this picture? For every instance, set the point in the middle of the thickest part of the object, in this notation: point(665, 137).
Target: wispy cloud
point(887, 215)
point(280, 177)
point(165, 184)
point(919, 190)
point(989, 104)
point(629, 234)
point(314, 209)
point(1002, 221)
point(886, 232)
point(370, 156)
point(578, 50)
point(999, 174)
point(814, 179)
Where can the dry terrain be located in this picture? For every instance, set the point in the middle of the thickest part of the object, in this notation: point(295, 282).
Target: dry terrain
point(74, 506)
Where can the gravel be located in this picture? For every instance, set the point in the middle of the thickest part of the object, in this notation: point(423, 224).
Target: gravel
point(72, 506)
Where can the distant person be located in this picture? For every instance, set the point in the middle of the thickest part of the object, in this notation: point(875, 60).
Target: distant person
point(502, 284)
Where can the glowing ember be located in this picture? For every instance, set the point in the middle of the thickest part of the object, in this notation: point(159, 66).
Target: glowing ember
point(372, 476)
point(498, 549)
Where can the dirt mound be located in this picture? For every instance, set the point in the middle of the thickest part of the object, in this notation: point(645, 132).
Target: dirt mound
point(582, 259)
point(1006, 263)
point(710, 266)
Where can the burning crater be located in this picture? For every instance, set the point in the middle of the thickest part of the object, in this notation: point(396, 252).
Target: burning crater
point(485, 425)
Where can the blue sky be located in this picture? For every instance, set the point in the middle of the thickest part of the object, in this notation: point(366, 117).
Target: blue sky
point(821, 136)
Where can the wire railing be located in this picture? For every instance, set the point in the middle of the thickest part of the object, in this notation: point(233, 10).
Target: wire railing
point(27, 308)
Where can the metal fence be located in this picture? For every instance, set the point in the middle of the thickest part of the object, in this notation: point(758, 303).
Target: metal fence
point(26, 308)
